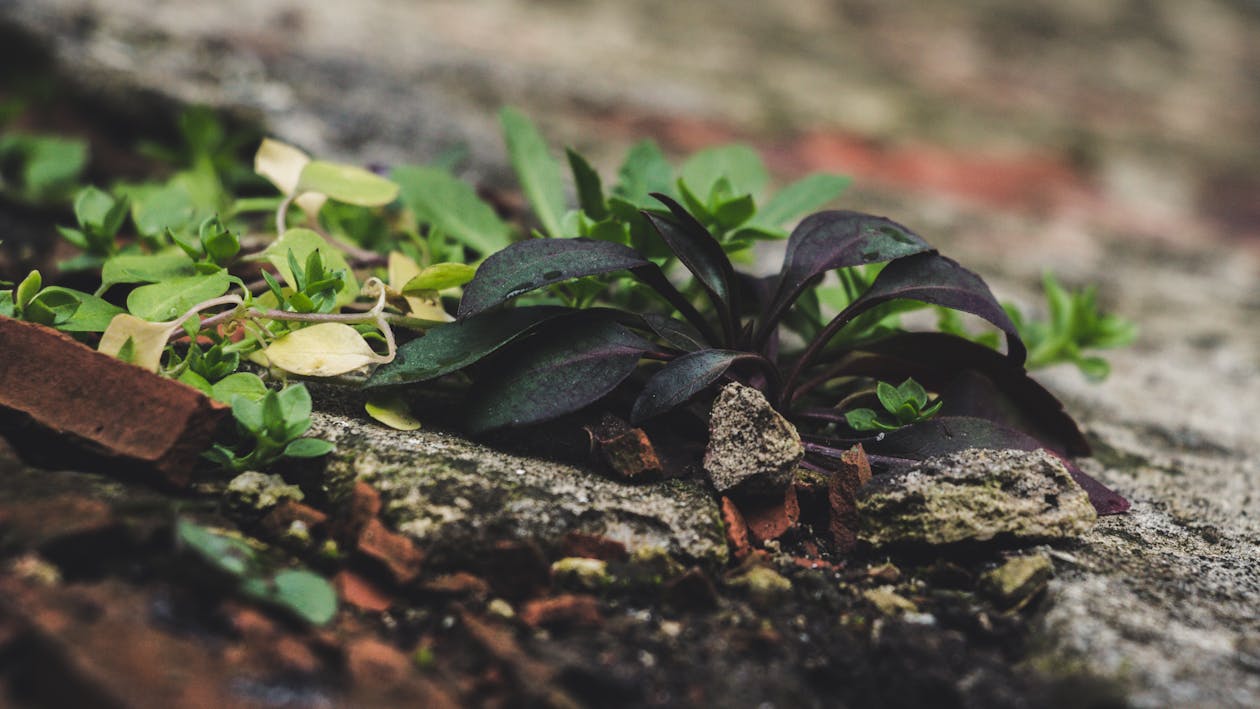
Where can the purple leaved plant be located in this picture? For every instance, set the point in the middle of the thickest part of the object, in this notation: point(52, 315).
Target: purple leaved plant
point(535, 363)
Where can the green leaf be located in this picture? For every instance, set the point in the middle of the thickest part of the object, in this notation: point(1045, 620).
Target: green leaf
point(537, 171)
point(913, 392)
point(145, 268)
point(739, 164)
point(243, 384)
point(52, 164)
point(862, 420)
point(6, 304)
point(801, 197)
point(589, 189)
point(53, 308)
point(159, 302)
point(93, 314)
point(169, 207)
point(734, 212)
point(308, 448)
point(27, 289)
point(220, 244)
point(556, 372)
point(302, 242)
point(888, 396)
point(295, 403)
point(440, 276)
point(347, 183)
point(249, 413)
point(451, 205)
point(644, 171)
point(93, 208)
point(196, 381)
point(1094, 368)
point(453, 346)
point(227, 554)
point(307, 595)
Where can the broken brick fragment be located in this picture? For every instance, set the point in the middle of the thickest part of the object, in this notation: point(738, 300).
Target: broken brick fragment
point(361, 592)
point(372, 663)
point(392, 551)
point(593, 546)
point(627, 451)
point(736, 529)
point(770, 517)
point(853, 473)
point(516, 569)
point(460, 584)
point(64, 403)
point(566, 610)
point(280, 522)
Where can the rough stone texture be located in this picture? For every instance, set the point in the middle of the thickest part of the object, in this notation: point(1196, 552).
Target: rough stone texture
point(454, 497)
point(975, 496)
point(752, 448)
point(252, 493)
point(1110, 141)
point(1015, 582)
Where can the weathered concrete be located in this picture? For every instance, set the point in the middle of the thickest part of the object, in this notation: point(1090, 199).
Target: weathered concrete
point(455, 498)
point(975, 496)
point(752, 448)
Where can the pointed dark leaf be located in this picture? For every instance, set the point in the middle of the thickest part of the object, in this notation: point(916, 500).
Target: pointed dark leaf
point(532, 264)
point(453, 346)
point(973, 380)
point(675, 332)
point(951, 434)
point(590, 190)
point(830, 240)
point(703, 256)
point(675, 383)
point(932, 278)
point(561, 369)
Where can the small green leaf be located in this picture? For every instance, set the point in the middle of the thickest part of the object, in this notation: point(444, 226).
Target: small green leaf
point(590, 190)
point(60, 308)
point(220, 244)
point(307, 595)
point(537, 171)
point(734, 212)
point(888, 396)
point(249, 413)
point(169, 207)
point(440, 276)
point(862, 419)
point(1094, 368)
point(92, 208)
point(308, 448)
point(739, 164)
point(801, 197)
point(245, 384)
point(228, 554)
point(6, 304)
point(302, 242)
point(27, 289)
point(295, 403)
point(912, 391)
point(196, 381)
point(450, 204)
point(160, 302)
point(145, 268)
point(347, 183)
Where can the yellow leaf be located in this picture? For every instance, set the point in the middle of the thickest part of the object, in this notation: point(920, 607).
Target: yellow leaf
point(282, 164)
point(423, 306)
point(392, 410)
point(323, 350)
point(148, 339)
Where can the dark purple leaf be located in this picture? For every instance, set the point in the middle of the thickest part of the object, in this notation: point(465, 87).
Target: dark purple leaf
point(951, 434)
point(834, 239)
point(528, 265)
point(453, 346)
point(932, 278)
point(675, 383)
point(972, 380)
point(560, 369)
point(703, 256)
point(675, 332)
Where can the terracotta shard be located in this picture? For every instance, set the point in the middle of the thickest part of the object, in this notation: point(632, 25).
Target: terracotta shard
point(770, 517)
point(361, 592)
point(593, 546)
point(566, 610)
point(854, 472)
point(394, 552)
point(736, 529)
point(62, 403)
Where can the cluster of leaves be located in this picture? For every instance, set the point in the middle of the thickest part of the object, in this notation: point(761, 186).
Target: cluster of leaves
point(273, 421)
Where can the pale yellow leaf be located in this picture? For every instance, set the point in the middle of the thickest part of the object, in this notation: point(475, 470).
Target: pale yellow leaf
point(426, 306)
point(391, 410)
point(282, 164)
point(148, 339)
point(323, 350)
